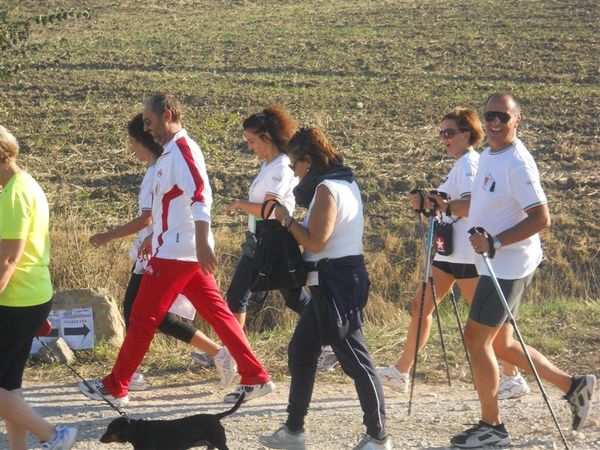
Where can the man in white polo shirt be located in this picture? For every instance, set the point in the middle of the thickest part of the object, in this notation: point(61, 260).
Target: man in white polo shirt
point(183, 261)
point(507, 201)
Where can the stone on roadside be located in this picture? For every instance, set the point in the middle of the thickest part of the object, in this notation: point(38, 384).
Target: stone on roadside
point(59, 353)
point(108, 320)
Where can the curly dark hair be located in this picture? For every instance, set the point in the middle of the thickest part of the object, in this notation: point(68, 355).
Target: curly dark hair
point(275, 122)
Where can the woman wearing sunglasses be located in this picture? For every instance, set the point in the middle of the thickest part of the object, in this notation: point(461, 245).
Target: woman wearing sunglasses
point(460, 131)
point(331, 234)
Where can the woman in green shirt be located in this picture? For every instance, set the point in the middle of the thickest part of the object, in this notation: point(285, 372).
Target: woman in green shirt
point(25, 295)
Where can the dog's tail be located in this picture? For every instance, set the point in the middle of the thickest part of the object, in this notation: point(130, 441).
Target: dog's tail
point(234, 409)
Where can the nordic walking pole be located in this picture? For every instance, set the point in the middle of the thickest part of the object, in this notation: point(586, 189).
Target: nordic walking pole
point(434, 296)
point(511, 318)
point(437, 313)
point(462, 333)
point(428, 245)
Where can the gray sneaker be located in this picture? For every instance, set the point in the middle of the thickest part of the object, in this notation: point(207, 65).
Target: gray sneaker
point(284, 438)
point(204, 360)
point(370, 443)
point(63, 439)
point(580, 399)
point(327, 360)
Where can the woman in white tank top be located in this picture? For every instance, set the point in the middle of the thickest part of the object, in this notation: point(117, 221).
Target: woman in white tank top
point(331, 235)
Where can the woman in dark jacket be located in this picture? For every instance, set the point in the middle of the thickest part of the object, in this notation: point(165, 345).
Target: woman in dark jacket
point(331, 235)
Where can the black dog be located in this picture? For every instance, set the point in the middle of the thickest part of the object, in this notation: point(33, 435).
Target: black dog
point(180, 434)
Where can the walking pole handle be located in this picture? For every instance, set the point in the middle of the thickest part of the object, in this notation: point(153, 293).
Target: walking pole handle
point(479, 230)
point(421, 208)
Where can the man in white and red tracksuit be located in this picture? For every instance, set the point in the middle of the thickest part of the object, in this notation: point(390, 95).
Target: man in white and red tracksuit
point(183, 261)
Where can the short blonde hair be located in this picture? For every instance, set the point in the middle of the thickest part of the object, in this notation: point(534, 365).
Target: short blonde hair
point(9, 147)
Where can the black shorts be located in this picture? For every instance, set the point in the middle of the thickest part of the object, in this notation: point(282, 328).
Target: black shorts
point(460, 271)
point(487, 307)
point(17, 329)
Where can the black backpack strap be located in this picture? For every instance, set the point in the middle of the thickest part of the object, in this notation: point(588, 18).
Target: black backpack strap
point(271, 204)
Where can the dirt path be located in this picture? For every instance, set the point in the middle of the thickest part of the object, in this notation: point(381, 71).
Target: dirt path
point(335, 419)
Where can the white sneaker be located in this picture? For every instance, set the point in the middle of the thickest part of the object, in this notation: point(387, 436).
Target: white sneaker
point(252, 391)
point(204, 360)
point(512, 387)
point(138, 382)
point(370, 443)
point(63, 439)
point(327, 360)
point(284, 438)
point(99, 392)
point(226, 366)
point(393, 378)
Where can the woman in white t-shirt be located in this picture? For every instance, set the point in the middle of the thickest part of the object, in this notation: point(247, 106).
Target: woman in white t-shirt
point(147, 151)
point(267, 134)
point(460, 130)
point(331, 235)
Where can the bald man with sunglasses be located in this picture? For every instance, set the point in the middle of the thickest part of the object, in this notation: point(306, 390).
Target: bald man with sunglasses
point(509, 203)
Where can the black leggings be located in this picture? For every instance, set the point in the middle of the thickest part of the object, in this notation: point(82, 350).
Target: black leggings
point(171, 324)
point(18, 326)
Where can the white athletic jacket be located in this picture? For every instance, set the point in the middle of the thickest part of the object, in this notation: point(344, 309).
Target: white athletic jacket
point(182, 195)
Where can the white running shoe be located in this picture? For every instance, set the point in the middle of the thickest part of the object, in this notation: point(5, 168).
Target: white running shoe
point(370, 443)
point(99, 392)
point(284, 438)
point(226, 366)
point(138, 382)
point(391, 377)
point(252, 391)
point(63, 439)
point(204, 360)
point(580, 400)
point(512, 387)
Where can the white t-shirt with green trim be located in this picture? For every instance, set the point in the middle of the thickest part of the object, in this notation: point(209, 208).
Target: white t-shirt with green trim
point(506, 186)
point(275, 178)
point(458, 184)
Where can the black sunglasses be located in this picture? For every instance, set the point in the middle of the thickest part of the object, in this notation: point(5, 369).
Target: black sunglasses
point(146, 122)
point(491, 115)
point(449, 133)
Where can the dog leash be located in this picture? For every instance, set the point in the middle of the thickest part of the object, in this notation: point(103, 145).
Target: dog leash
point(87, 385)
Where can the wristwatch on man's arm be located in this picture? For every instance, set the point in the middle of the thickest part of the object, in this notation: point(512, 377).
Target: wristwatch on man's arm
point(496, 242)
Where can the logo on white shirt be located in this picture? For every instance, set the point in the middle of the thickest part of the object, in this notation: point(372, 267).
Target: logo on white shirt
point(489, 183)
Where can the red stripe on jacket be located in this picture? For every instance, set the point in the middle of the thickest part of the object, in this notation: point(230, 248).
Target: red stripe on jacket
point(189, 160)
point(166, 202)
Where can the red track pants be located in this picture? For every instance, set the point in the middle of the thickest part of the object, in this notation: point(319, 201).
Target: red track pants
point(163, 280)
